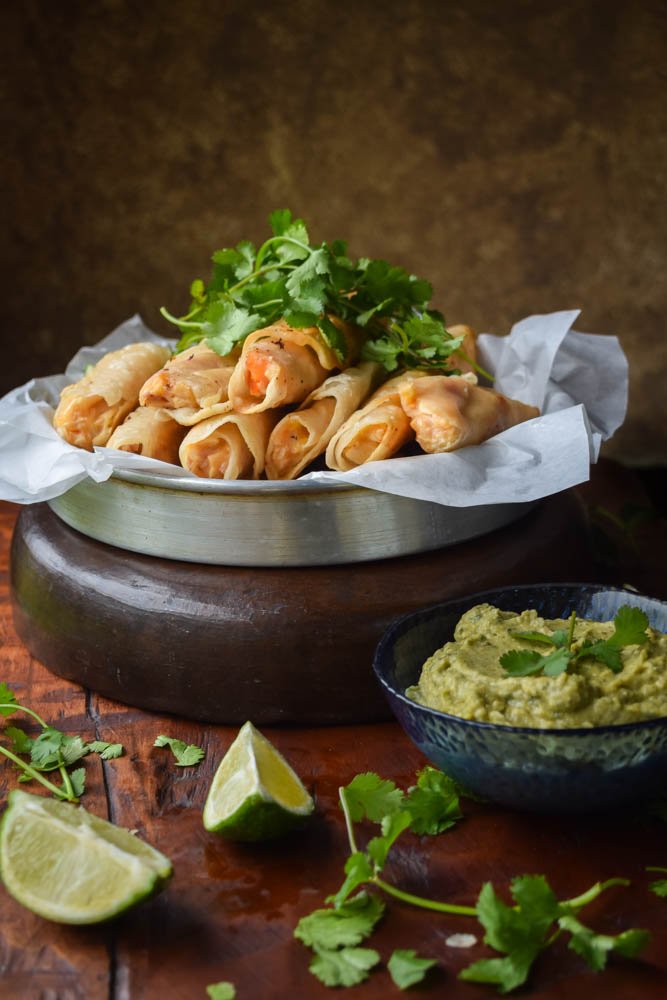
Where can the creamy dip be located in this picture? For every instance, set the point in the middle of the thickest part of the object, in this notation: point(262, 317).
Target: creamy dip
point(465, 677)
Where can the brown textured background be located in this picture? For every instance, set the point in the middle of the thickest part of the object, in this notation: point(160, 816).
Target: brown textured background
point(513, 153)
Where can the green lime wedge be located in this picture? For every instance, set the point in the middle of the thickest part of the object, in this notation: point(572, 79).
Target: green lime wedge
point(67, 865)
point(255, 794)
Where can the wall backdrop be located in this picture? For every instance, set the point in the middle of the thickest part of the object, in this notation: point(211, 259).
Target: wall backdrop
point(513, 153)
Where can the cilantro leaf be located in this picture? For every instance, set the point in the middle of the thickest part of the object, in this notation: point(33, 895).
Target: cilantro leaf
point(406, 968)
point(603, 652)
point(186, 754)
point(21, 742)
point(556, 639)
point(344, 925)
point(524, 662)
point(595, 948)
point(659, 887)
point(346, 967)
point(433, 804)
point(371, 797)
point(221, 991)
point(107, 751)
point(73, 748)
point(45, 751)
point(358, 871)
point(7, 700)
point(517, 931)
point(630, 626)
point(392, 827)
point(78, 780)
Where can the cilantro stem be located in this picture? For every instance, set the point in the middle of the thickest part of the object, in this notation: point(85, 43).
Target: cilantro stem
point(570, 633)
point(595, 890)
point(14, 705)
point(261, 253)
point(426, 904)
point(348, 821)
point(67, 794)
point(180, 322)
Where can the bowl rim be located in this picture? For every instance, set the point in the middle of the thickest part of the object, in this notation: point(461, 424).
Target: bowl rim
point(397, 627)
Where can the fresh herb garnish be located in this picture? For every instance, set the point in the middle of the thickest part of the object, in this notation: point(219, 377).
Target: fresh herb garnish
point(658, 886)
point(630, 626)
point(51, 750)
point(519, 932)
point(287, 277)
point(186, 754)
point(221, 991)
point(537, 919)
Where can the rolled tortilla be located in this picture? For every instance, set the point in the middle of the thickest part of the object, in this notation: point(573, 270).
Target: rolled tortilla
point(192, 385)
point(229, 446)
point(448, 412)
point(281, 365)
point(376, 431)
point(149, 431)
point(304, 434)
point(90, 410)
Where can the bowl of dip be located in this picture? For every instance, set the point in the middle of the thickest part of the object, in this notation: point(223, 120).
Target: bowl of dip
point(586, 738)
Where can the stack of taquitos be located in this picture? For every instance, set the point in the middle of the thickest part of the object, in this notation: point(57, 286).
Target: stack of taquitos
point(277, 405)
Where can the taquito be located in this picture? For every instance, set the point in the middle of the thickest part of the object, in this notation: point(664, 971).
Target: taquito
point(90, 410)
point(228, 446)
point(149, 431)
point(192, 385)
point(448, 412)
point(303, 434)
point(376, 431)
point(281, 365)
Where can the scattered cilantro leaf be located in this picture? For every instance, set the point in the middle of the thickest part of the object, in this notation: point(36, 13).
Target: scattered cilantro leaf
point(406, 968)
point(433, 804)
point(186, 754)
point(8, 702)
point(630, 626)
point(78, 780)
point(51, 750)
point(595, 948)
point(346, 967)
point(348, 924)
point(370, 797)
point(21, 742)
point(107, 751)
point(221, 991)
point(659, 886)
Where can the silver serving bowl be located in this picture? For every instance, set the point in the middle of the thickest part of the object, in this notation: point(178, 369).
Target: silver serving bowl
point(267, 524)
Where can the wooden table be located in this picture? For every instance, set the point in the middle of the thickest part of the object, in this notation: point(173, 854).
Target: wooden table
point(230, 910)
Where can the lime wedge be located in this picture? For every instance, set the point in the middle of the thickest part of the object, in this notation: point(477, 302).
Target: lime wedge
point(67, 865)
point(255, 794)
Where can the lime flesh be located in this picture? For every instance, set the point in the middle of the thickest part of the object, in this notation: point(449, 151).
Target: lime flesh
point(255, 794)
point(68, 865)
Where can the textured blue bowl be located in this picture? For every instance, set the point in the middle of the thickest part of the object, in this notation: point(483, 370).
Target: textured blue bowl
point(547, 770)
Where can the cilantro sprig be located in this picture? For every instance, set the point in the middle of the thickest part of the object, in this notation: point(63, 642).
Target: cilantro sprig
point(51, 750)
point(518, 932)
point(185, 754)
point(288, 277)
point(630, 626)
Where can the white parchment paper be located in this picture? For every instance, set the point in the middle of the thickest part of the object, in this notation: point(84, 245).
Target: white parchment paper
point(579, 381)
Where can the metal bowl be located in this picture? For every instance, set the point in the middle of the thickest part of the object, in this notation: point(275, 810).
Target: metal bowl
point(546, 770)
point(267, 524)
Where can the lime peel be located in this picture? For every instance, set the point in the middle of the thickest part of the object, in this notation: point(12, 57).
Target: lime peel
point(255, 794)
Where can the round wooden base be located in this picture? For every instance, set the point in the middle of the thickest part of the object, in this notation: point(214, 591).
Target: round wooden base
point(226, 644)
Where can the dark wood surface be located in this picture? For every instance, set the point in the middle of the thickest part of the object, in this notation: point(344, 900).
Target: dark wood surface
point(230, 910)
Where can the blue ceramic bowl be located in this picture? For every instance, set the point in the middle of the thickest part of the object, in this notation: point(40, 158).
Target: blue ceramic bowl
point(550, 770)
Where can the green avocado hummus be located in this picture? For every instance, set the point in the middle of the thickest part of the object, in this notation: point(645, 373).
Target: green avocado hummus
point(466, 679)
